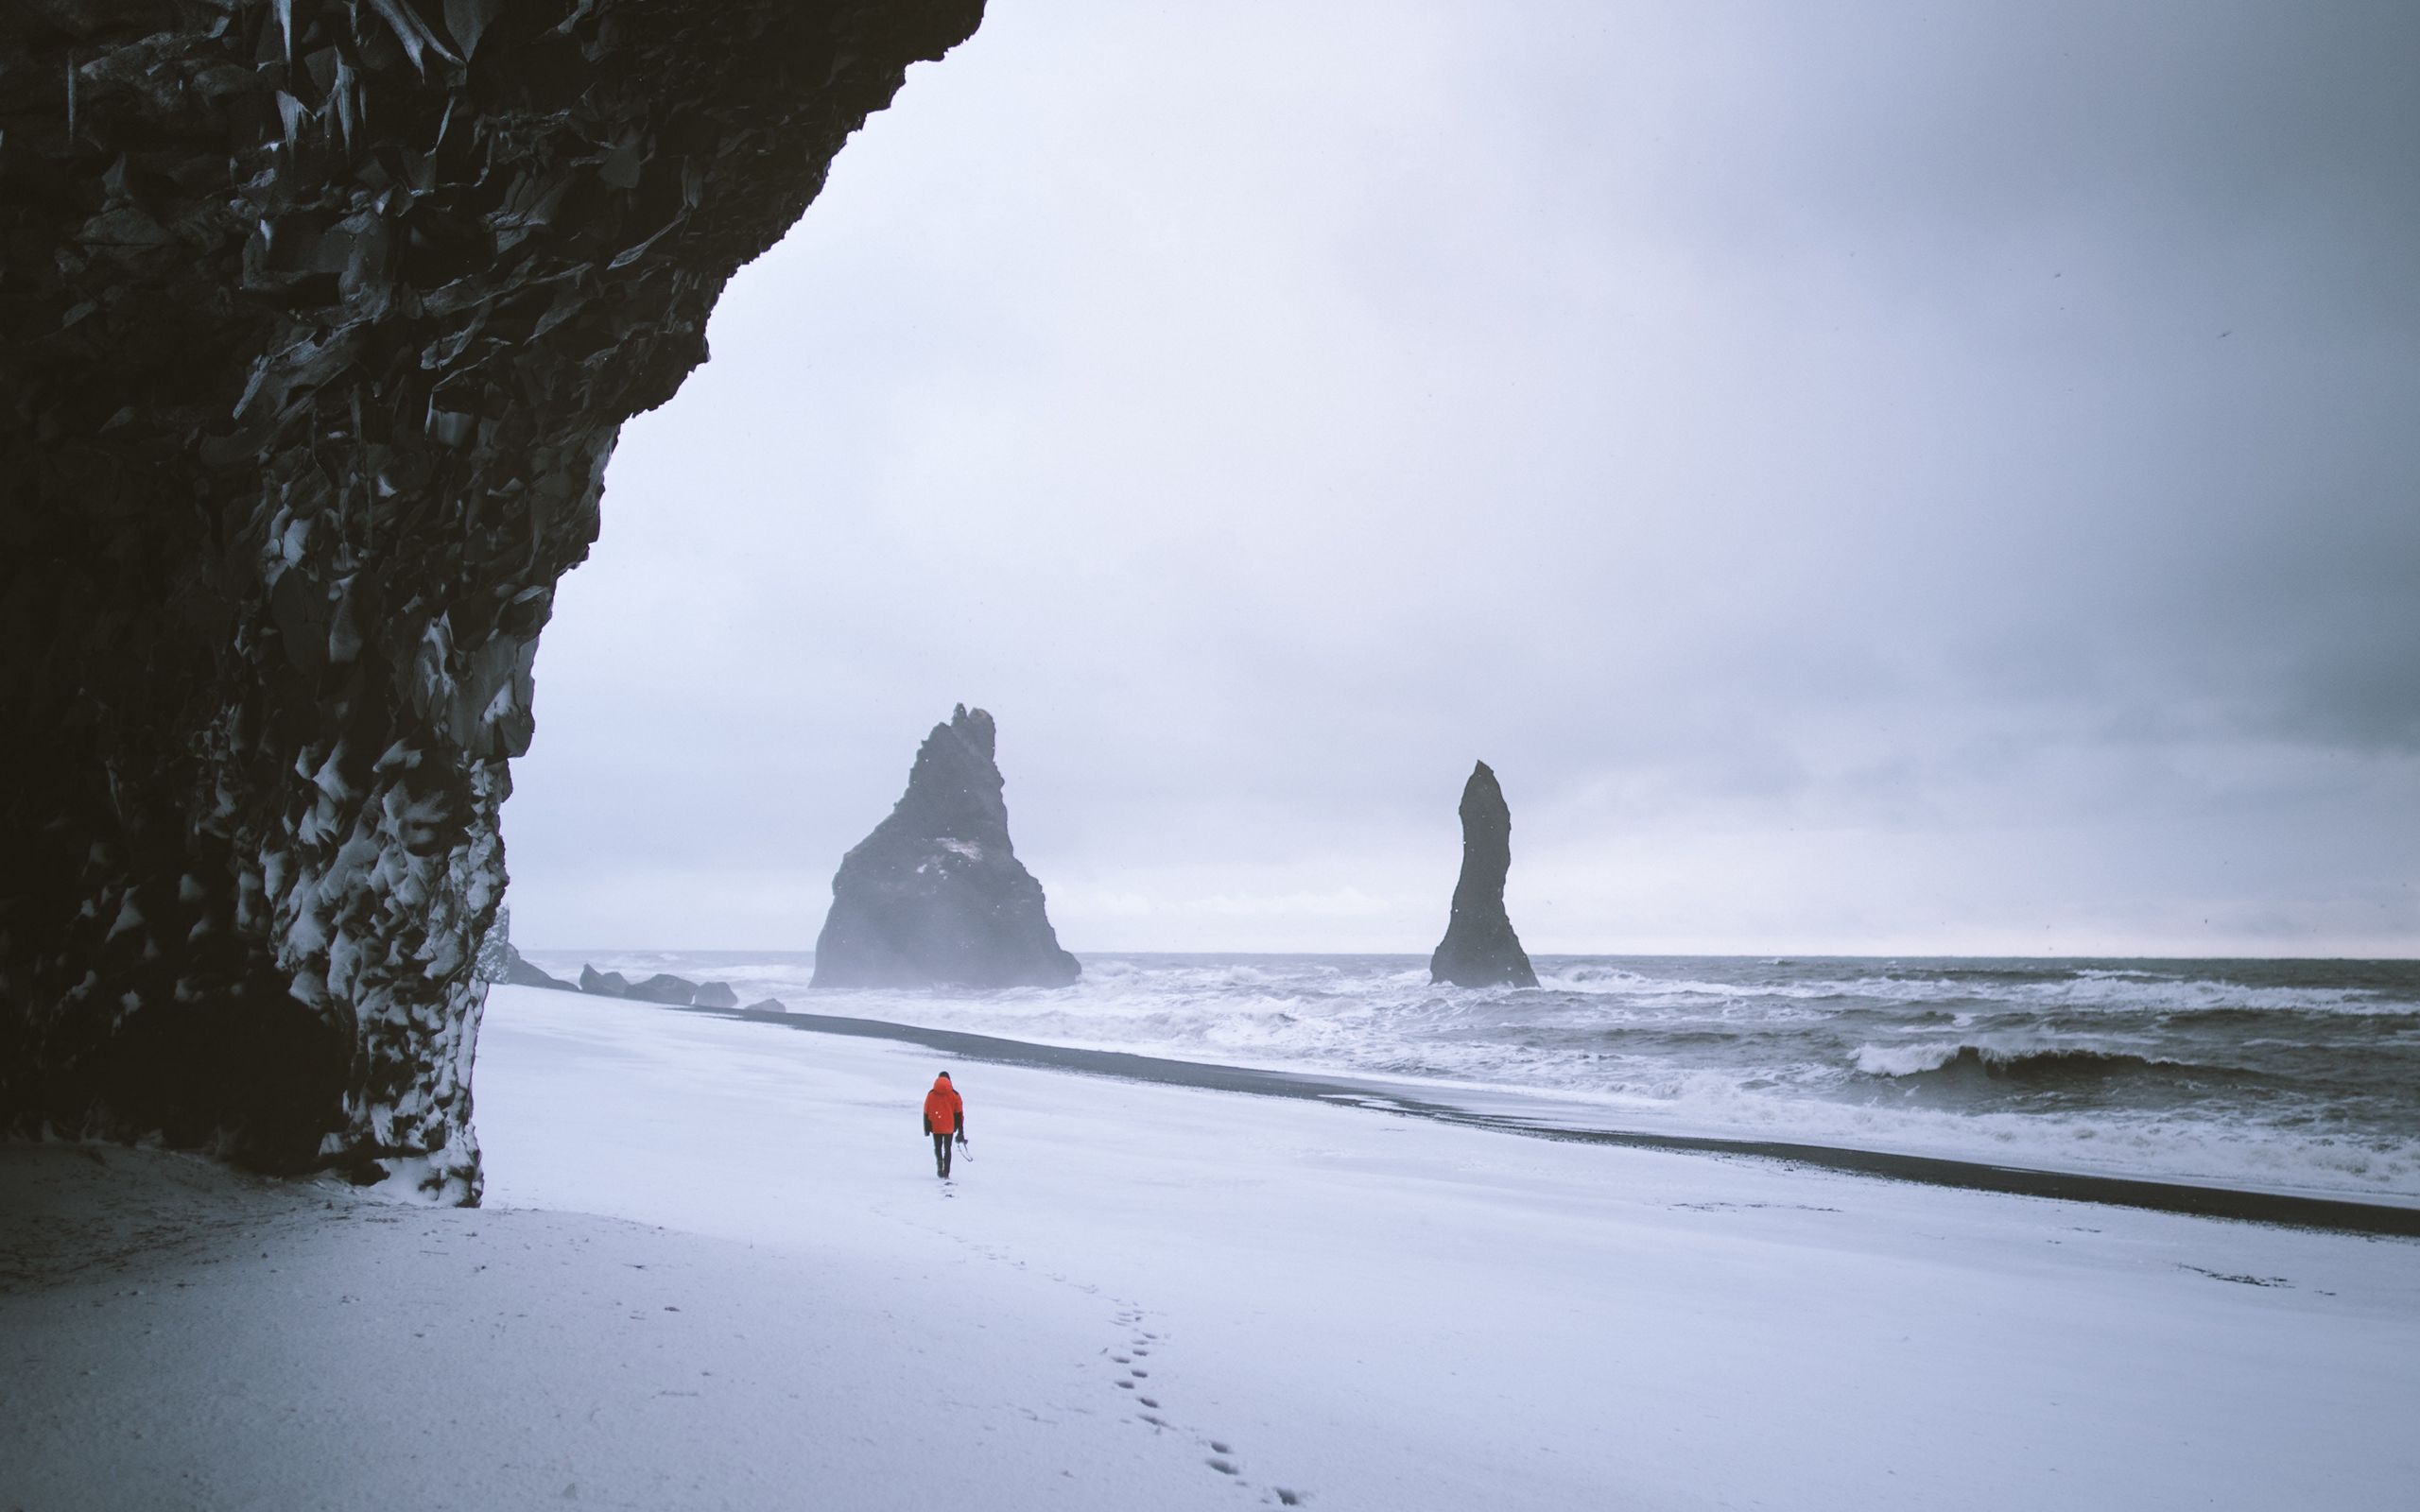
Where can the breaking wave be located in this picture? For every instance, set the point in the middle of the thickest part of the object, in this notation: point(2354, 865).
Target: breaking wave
point(2041, 1064)
point(2298, 1073)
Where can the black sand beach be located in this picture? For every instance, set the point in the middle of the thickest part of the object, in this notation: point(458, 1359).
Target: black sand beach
point(2332, 1215)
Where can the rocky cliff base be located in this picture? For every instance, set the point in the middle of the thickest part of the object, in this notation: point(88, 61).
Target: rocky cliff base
point(321, 319)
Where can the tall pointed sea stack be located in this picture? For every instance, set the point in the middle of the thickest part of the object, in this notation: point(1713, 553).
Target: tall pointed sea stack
point(936, 895)
point(1479, 948)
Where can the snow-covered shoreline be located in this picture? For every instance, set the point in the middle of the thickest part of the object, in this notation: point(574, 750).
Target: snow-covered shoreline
point(2285, 1077)
point(1580, 1119)
point(1129, 1283)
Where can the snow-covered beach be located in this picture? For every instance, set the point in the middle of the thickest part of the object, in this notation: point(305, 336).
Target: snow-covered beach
point(716, 1271)
point(2281, 1077)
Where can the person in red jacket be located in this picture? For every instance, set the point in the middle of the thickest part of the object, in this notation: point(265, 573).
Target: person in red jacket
point(945, 1117)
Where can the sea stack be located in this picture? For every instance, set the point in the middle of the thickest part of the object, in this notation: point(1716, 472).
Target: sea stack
point(1479, 948)
point(935, 896)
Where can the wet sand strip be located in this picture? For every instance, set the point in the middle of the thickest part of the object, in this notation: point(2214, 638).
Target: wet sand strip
point(2335, 1214)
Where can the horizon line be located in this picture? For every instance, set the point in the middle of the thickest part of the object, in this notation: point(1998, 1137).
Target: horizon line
point(1777, 956)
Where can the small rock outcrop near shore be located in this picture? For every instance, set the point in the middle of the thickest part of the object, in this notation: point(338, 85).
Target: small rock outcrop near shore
point(519, 972)
point(665, 988)
point(936, 896)
point(675, 992)
point(500, 961)
point(1479, 948)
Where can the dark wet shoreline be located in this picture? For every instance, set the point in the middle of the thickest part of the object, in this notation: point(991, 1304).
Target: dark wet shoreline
point(2335, 1214)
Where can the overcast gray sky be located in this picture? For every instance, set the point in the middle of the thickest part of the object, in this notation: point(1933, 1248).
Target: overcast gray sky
point(1869, 477)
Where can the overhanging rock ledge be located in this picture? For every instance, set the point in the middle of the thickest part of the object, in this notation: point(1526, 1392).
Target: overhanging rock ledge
point(317, 321)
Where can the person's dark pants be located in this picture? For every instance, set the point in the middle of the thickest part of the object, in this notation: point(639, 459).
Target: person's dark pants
point(940, 1151)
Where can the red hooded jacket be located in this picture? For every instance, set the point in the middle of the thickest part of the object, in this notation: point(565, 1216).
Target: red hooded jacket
point(944, 1111)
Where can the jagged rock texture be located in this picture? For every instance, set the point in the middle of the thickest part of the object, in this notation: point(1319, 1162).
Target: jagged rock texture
point(1479, 948)
point(496, 958)
point(936, 895)
point(318, 322)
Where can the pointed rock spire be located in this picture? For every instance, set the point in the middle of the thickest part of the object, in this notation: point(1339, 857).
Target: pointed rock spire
point(936, 896)
point(1479, 948)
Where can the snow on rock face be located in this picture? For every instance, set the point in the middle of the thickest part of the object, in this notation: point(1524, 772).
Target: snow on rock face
point(495, 953)
point(936, 894)
point(322, 320)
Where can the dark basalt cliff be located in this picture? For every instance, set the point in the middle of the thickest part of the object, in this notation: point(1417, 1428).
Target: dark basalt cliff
point(318, 322)
point(936, 895)
point(1479, 948)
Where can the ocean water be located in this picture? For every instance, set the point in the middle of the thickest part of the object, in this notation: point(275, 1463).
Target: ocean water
point(2286, 1075)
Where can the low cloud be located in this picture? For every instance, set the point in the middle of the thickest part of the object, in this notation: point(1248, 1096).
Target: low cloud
point(1867, 477)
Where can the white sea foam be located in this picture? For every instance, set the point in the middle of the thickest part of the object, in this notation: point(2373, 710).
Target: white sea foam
point(2085, 1068)
point(1906, 1060)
